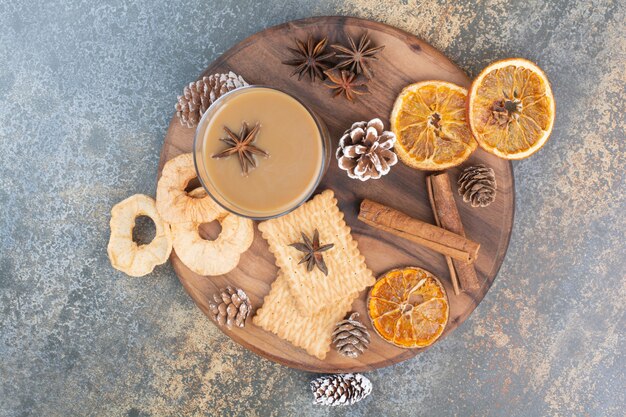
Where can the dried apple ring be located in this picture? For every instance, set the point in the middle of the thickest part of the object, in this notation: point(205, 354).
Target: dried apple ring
point(125, 255)
point(175, 205)
point(212, 257)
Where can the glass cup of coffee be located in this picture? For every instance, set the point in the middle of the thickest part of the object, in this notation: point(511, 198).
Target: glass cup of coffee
point(260, 152)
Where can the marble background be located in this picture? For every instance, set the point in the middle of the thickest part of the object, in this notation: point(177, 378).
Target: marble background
point(86, 93)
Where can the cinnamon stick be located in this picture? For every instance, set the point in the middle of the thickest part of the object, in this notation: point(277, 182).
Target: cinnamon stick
point(433, 237)
point(449, 218)
point(453, 277)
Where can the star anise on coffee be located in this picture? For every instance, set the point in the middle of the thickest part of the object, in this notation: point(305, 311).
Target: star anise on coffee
point(242, 146)
point(347, 83)
point(313, 251)
point(310, 58)
point(356, 58)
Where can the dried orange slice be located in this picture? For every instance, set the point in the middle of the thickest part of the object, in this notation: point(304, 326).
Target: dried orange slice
point(511, 108)
point(408, 307)
point(428, 119)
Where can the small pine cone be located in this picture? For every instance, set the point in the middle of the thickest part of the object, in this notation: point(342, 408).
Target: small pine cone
point(231, 306)
point(199, 95)
point(351, 337)
point(477, 185)
point(344, 389)
point(365, 150)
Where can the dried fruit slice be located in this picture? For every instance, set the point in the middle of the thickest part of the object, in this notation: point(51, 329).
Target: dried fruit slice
point(173, 203)
point(428, 119)
point(408, 307)
point(212, 257)
point(511, 108)
point(125, 255)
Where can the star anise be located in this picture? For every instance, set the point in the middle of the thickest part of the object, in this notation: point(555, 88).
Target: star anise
point(357, 58)
point(242, 146)
point(310, 58)
point(345, 82)
point(313, 252)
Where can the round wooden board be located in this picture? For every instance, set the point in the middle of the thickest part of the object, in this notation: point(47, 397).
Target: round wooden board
point(404, 60)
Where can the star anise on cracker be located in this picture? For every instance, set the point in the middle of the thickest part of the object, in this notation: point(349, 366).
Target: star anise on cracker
point(313, 251)
point(242, 146)
point(356, 58)
point(346, 83)
point(310, 58)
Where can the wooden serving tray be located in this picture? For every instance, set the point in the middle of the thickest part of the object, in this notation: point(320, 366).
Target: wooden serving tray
point(404, 60)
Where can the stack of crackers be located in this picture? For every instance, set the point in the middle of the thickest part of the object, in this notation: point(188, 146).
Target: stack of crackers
point(303, 306)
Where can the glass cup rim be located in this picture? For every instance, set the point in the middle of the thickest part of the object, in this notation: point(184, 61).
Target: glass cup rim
point(198, 137)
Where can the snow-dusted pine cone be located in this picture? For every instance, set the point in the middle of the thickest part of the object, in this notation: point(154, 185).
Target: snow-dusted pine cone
point(365, 150)
point(343, 389)
point(199, 95)
point(477, 185)
point(231, 306)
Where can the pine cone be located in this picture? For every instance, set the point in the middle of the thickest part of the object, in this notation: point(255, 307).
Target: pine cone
point(342, 389)
point(351, 337)
point(232, 305)
point(199, 95)
point(365, 150)
point(477, 185)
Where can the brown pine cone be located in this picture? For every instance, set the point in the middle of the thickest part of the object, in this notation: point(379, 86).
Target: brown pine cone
point(477, 185)
point(343, 389)
point(199, 95)
point(231, 306)
point(351, 337)
point(365, 150)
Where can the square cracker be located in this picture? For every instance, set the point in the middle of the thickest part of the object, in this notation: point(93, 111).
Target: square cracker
point(347, 272)
point(280, 316)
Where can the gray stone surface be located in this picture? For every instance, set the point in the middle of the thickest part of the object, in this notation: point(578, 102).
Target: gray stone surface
point(86, 93)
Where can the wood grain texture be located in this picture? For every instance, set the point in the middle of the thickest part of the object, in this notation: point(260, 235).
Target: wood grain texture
point(404, 60)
